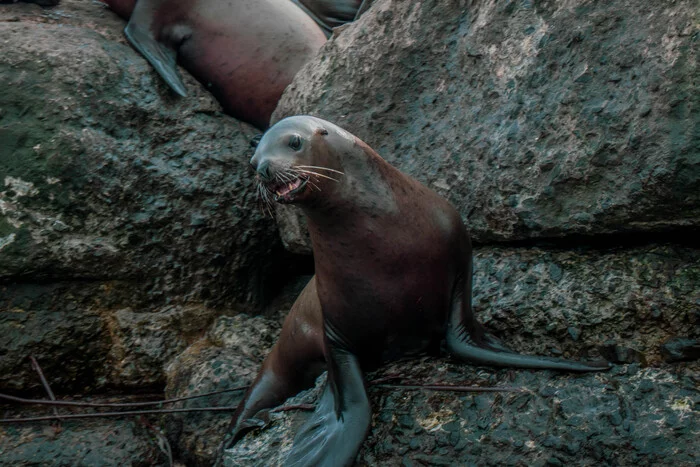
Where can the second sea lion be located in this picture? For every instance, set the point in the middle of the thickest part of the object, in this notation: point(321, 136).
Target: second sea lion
point(244, 52)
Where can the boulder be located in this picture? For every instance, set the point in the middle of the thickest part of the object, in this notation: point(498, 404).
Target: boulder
point(106, 442)
point(623, 304)
point(226, 360)
point(631, 306)
point(117, 200)
point(535, 119)
point(627, 416)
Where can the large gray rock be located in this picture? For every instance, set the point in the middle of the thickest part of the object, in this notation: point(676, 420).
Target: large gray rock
point(628, 416)
point(625, 305)
point(229, 357)
point(83, 443)
point(535, 119)
point(114, 195)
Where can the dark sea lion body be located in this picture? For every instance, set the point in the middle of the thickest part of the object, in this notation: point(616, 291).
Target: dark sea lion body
point(330, 14)
point(245, 52)
point(393, 278)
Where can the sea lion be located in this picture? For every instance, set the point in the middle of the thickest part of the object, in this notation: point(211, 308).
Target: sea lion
point(245, 52)
point(330, 14)
point(393, 265)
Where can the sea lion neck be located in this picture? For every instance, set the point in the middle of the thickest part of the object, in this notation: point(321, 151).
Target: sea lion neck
point(361, 192)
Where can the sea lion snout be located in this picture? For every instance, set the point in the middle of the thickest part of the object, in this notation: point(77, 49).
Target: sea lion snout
point(263, 170)
point(277, 179)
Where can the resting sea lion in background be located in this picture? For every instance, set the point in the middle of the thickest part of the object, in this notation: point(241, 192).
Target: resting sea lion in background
point(245, 52)
point(393, 278)
point(330, 14)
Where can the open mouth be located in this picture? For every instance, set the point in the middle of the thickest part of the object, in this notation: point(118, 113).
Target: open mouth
point(285, 191)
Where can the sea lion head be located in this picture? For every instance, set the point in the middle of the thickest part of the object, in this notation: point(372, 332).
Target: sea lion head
point(295, 161)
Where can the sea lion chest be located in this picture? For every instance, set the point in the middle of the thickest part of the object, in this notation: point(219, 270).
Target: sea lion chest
point(385, 282)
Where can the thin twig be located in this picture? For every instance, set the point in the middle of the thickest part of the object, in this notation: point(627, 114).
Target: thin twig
point(106, 404)
point(45, 383)
point(447, 388)
point(384, 379)
point(286, 408)
point(118, 414)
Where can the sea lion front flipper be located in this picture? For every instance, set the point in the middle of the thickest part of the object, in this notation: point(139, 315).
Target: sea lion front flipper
point(334, 433)
point(163, 59)
point(468, 340)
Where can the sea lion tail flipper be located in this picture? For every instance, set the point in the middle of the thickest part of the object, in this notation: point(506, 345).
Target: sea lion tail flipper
point(163, 59)
point(490, 352)
point(334, 433)
point(468, 340)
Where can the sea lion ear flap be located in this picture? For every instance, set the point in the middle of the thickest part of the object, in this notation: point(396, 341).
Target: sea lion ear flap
point(321, 131)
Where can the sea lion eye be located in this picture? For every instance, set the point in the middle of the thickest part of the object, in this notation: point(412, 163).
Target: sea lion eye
point(295, 142)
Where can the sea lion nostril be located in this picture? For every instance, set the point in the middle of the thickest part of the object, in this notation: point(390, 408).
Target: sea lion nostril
point(264, 170)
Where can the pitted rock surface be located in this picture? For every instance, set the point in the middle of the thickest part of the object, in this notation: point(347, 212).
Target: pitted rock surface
point(535, 119)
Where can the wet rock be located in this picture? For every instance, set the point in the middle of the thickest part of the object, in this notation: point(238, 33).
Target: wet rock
point(228, 358)
point(83, 443)
point(250, 336)
point(534, 119)
point(114, 195)
point(144, 343)
point(616, 353)
point(626, 417)
point(680, 350)
point(624, 302)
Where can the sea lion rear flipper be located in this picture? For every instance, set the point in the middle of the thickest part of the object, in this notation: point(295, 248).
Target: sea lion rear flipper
point(334, 433)
point(468, 340)
point(163, 59)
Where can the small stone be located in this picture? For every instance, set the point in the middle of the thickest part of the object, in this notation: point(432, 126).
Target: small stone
point(574, 332)
point(681, 349)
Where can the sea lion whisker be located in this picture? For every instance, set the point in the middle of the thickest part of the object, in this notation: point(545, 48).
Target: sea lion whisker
point(262, 202)
point(320, 168)
point(286, 176)
point(268, 203)
point(264, 196)
point(317, 174)
point(290, 176)
point(314, 185)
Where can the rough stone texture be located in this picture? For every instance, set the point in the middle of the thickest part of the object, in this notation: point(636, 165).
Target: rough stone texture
point(621, 303)
point(144, 343)
point(128, 224)
point(228, 358)
point(114, 195)
point(535, 119)
point(628, 416)
point(625, 304)
point(83, 444)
